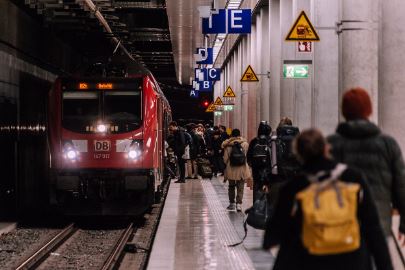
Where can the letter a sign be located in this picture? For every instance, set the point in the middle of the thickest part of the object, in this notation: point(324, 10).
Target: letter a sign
point(302, 30)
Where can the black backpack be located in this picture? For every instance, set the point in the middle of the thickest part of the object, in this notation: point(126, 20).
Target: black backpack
point(237, 156)
point(287, 164)
point(261, 153)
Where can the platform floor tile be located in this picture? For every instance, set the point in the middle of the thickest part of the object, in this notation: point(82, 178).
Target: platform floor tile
point(196, 229)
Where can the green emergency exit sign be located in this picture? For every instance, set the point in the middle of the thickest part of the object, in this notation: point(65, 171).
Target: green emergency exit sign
point(293, 71)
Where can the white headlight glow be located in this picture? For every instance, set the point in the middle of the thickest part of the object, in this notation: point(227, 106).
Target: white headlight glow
point(101, 128)
point(71, 154)
point(133, 154)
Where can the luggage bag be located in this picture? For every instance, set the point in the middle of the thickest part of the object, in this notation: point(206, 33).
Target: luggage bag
point(204, 168)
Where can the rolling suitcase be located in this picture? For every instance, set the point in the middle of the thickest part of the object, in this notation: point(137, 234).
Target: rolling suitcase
point(204, 168)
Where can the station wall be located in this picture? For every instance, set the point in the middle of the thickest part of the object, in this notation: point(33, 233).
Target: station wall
point(361, 45)
point(30, 59)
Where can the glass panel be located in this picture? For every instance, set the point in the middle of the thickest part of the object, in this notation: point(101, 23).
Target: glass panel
point(80, 109)
point(123, 109)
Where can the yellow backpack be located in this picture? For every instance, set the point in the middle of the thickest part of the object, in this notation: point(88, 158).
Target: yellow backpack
point(329, 209)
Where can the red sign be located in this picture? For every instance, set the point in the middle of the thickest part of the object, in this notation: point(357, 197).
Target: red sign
point(304, 46)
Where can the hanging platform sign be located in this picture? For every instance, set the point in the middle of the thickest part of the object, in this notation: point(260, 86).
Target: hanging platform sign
point(204, 56)
point(228, 21)
point(249, 75)
point(207, 74)
point(194, 93)
point(302, 30)
point(204, 86)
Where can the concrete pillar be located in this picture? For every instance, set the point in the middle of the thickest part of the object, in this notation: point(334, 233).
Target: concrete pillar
point(325, 75)
point(392, 79)
point(250, 87)
point(287, 89)
point(359, 48)
point(303, 87)
point(257, 66)
point(275, 61)
point(264, 61)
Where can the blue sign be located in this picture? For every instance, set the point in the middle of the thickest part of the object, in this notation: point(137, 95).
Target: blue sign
point(206, 56)
point(228, 21)
point(194, 93)
point(203, 86)
point(207, 74)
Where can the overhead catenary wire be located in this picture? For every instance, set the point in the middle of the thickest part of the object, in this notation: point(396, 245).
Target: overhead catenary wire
point(93, 8)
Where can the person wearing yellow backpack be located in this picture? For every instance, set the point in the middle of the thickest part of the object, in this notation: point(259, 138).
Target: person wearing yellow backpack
point(325, 218)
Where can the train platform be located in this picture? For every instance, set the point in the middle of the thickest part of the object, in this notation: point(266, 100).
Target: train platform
point(195, 230)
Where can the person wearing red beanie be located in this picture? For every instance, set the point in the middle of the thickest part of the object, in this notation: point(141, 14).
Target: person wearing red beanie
point(356, 104)
point(359, 143)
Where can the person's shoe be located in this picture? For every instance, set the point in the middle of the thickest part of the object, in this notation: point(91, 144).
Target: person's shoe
point(238, 207)
point(180, 181)
point(195, 177)
point(231, 207)
point(189, 177)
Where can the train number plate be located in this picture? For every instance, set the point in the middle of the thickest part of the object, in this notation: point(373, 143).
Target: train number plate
point(102, 146)
point(101, 156)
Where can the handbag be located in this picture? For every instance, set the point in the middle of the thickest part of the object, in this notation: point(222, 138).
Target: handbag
point(257, 216)
point(186, 154)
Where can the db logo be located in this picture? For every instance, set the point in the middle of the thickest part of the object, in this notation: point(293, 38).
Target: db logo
point(102, 146)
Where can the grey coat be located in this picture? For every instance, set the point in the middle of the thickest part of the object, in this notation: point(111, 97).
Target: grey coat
point(361, 144)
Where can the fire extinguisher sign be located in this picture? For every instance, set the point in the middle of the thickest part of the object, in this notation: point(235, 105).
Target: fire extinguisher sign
point(304, 46)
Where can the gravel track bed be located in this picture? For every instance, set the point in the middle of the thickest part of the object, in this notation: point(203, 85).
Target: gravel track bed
point(21, 243)
point(86, 249)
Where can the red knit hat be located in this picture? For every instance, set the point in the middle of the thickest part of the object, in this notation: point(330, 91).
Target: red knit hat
point(356, 104)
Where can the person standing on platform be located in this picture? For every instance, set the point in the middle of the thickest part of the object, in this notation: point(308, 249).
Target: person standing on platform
point(224, 135)
point(360, 143)
point(194, 147)
point(259, 158)
point(325, 218)
point(237, 170)
point(178, 144)
point(217, 152)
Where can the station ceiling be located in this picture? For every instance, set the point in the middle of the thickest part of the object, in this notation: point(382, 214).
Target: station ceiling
point(141, 26)
point(186, 34)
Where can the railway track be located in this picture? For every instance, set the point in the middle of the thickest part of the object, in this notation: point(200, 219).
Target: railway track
point(74, 248)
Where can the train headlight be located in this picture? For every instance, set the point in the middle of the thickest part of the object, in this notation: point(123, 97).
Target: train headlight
point(71, 154)
point(101, 128)
point(133, 154)
point(135, 150)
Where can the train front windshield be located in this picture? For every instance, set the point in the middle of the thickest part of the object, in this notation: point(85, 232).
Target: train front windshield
point(120, 110)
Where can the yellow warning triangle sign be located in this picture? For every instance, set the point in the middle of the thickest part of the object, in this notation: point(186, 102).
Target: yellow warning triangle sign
point(210, 108)
point(229, 92)
point(302, 30)
point(218, 102)
point(249, 75)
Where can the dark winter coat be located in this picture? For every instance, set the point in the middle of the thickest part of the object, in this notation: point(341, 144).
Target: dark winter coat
point(284, 229)
point(196, 145)
point(178, 142)
point(361, 145)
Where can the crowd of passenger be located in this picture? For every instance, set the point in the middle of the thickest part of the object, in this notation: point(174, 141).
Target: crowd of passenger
point(331, 199)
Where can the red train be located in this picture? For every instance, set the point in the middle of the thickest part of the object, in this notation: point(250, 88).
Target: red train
point(107, 143)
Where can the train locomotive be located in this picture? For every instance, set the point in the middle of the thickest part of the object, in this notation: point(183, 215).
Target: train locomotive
point(107, 138)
